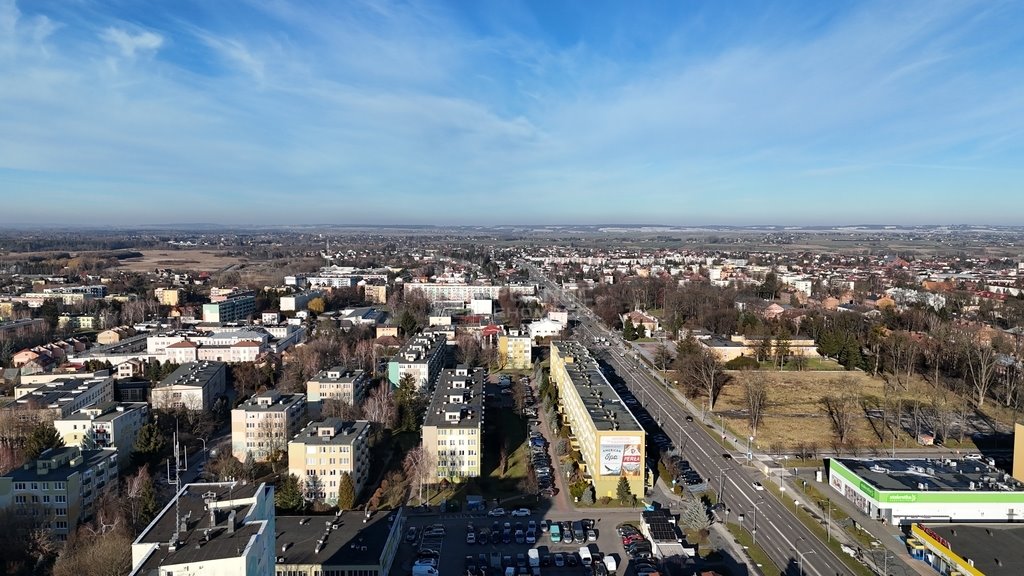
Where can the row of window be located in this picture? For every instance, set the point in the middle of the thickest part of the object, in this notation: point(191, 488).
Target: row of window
point(461, 442)
point(57, 486)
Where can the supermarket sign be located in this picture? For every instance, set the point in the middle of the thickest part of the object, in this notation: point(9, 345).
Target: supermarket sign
point(923, 497)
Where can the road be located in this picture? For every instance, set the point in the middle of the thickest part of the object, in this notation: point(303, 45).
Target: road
point(783, 537)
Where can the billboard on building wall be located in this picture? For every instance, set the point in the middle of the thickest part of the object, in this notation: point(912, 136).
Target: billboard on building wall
point(621, 456)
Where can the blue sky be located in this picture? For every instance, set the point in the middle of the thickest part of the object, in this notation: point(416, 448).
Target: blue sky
point(496, 112)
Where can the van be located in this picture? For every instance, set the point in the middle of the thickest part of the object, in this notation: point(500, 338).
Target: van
point(555, 532)
point(585, 556)
point(534, 555)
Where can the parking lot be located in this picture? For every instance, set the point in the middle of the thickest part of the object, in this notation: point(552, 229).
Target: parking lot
point(453, 548)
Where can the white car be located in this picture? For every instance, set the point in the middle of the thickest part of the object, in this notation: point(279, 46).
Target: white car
point(521, 512)
point(470, 537)
point(758, 486)
point(496, 512)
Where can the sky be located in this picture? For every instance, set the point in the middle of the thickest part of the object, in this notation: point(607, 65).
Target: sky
point(489, 112)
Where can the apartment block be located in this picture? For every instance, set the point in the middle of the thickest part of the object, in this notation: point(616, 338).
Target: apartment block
point(422, 356)
point(193, 386)
point(337, 383)
point(60, 487)
point(213, 529)
point(376, 293)
point(610, 439)
point(322, 451)
point(453, 425)
point(465, 292)
point(516, 352)
point(263, 424)
point(106, 425)
point(60, 397)
point(168, 296)
point(234, 308)
point(299, 300)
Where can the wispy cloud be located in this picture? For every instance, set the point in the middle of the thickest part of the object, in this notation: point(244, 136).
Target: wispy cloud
point(129, 44)
point(353, 106)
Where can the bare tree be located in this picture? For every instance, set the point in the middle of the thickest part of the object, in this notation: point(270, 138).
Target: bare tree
point(380, 406)
point(420, 466)
point(980, 361)
point(755, 396)
point(705, 371)
point(840, 407)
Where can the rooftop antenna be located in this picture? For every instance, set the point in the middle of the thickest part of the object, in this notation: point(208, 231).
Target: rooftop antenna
point(176, 482)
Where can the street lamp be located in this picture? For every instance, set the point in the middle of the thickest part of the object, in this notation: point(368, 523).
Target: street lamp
point(753, 533)
point(800, 556)
point(749, 440)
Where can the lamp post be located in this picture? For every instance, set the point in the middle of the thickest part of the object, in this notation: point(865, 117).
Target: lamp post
point(800, 556)
point(753, 533)
point(749, 440)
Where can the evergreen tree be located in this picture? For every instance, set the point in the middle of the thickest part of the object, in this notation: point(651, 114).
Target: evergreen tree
point(628, 330)
point(409, 404)
point(641, 331)
point(150, 445)
point(346, 492)
point(588, 496)
point(623, 493)
point(288, 494)
point(43, 437)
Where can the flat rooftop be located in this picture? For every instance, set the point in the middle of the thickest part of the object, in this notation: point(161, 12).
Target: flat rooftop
point(996, 549)
point(936, 474)
point(350, 541)
point(221, 542)
point(271, 401)
point(332, 431)
point(465, 385)
point(90, 459)
point(106, 412)
point(192, 374)
point(602, 402)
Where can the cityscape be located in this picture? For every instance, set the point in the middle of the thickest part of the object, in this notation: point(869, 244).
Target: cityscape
point(433, 288)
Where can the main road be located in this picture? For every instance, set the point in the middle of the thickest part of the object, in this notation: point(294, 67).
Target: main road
point(790, 544)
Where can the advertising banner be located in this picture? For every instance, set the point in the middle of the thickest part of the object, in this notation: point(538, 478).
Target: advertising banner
point(621, 456)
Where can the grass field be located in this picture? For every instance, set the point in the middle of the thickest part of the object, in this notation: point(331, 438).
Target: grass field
point(795, 414)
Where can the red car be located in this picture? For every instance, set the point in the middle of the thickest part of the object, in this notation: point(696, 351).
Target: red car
point(631, 539)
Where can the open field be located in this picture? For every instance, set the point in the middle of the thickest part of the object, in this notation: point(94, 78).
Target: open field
point(197, 260)
point(795, 412)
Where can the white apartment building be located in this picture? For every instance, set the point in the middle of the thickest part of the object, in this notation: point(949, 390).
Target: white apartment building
point(423, 356)
point(453, 426)
point(107, 425)
point(265, 422)
point(225, 529)
point(193, 386)
point(60, 487)
point(61, 397)
point(337, 383)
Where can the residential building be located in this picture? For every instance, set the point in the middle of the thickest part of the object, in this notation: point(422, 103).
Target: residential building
point(168, 296)
point(77, 322)
point(263, 424)
point(132, 390)
point(14, 328)
point(465, 292)
point(324, 450)
point(130, 369)
point(113, 335)
point(902, 491)
point(299, 300)
point(422, 356)
point(60, 397)
point(106, 425)
point(610, 439)
point(61, 486)
point(375, 293)
point(337, 383)
point(640, 318)
point(515, 352)
point(221, 529)
point(453, 426)
point(358, 543)
point(545, 328)
point(237, 307)
point(193, 386)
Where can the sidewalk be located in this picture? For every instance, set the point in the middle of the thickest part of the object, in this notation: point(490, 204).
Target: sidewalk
point(720, 537)
point(891, 538)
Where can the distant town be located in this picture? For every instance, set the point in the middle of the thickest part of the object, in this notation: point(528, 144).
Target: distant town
point(511, 401)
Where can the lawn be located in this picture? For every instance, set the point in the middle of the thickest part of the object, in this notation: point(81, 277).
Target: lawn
point(794, 412)
point(509, 428)
point(756, 553)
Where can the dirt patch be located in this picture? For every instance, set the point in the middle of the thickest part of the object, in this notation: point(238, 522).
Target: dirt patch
point(186, 260)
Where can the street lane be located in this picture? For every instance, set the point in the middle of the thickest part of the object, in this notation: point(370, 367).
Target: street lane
point(783, 537)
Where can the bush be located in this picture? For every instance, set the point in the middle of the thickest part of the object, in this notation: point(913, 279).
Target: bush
point(605, 500)
point(588, 496)
point(663, 472)
point(742, 363)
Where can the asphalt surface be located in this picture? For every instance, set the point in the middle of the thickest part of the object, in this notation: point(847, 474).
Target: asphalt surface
point(783, 537)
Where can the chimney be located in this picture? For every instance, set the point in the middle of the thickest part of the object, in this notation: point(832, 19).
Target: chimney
point(213, 517)
point(231, 522)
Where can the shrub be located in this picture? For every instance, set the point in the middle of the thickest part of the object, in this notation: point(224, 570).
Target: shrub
point(742, 363)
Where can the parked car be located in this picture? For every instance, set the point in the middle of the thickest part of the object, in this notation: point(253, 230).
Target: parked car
point(410, 534)
point(559, 560)
point(521, 512)
point(496, 512)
